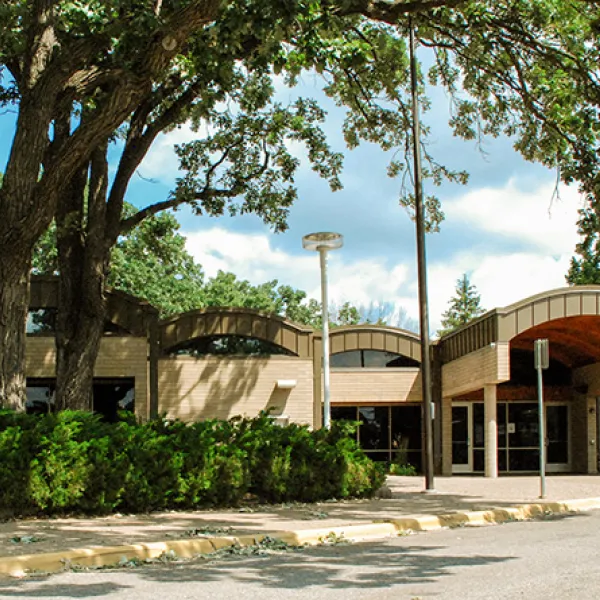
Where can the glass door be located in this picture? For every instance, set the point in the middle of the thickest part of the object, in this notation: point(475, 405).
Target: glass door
point(557, 436)
point(523, 436)
point(462, 433)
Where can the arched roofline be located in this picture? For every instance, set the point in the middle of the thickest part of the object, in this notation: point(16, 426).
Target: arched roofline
point(246, 322)
point(237, 310)
point(374, 337)
point(505, 323)
point(571, 290)
point(371, 327)
point(129, 312)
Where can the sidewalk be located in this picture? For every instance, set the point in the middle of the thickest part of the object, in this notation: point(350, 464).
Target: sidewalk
point(453, 495)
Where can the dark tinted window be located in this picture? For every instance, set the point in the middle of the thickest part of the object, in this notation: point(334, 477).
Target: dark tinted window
point(374, 431)
point(389, 433)
point(344, 413)
point(41, 321)
point(522, 369)
point(373, 359)
point(110, 396)
point(353, 358)
point(378, 358)
point(229, 345)
point(40, 396)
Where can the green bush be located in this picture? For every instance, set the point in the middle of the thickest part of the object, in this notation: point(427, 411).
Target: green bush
point(74, 462)
point(402, 469)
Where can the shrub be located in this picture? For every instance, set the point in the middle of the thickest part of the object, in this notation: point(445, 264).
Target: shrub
point(402, 469)
point(74, 462)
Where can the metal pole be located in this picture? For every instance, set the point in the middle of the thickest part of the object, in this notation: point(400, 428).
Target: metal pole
point(422, 270)
point(325, 330)
point(542, 431)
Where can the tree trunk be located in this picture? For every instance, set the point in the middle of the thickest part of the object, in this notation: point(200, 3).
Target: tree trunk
point(14, 304)
point(79, 330)
point(83, 257)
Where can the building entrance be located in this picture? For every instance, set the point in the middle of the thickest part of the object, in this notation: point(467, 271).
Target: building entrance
point(518, 437)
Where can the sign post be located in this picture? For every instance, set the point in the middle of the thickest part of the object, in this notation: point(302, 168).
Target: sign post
point(541, 357)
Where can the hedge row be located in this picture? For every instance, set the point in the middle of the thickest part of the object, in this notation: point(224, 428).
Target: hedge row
point(74, 462)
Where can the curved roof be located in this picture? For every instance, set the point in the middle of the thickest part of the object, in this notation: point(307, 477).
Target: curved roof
point(126, 311)
point(569, 313)
point(236, 321)
point(375, 337)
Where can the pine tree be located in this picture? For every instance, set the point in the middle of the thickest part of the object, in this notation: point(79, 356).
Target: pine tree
point(464, 306)
point(585, 268)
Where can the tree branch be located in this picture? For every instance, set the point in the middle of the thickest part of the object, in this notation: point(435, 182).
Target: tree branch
point(390, 12)
point(41, 41)
point(137, 145)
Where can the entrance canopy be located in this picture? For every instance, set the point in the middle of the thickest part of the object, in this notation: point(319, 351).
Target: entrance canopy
point(569, 317)
point(574, 341)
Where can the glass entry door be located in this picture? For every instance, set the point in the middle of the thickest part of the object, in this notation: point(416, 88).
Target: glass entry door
point(462, 433)
point(518, 437)
point(557, 437)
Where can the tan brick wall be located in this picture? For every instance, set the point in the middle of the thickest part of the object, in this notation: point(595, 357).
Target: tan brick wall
point(446, 436)
point(584, 429)
point(592, 436)
point(590, 376)
point(223, 387)
point(118, 357)
point(353, 386)
point(471, 372)
point(579, 434)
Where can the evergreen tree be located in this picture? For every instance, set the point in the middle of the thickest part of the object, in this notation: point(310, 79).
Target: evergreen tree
point(465, 305)
point(347, 314)
point(585, 268)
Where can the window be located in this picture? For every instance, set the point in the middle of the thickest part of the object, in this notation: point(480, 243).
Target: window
point(522, 371)
point(370, 359)
point(40, 396)
point(227, 345)
point(112, 396)
point(386, 433)
point(42, 321)
point(109, 396)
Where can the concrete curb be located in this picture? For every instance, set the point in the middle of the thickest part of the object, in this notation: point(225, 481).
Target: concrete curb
point(519, 512)
point(99, 556)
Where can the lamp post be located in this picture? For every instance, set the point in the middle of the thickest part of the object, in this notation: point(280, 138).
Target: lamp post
point(421, 270)
point(324, 242)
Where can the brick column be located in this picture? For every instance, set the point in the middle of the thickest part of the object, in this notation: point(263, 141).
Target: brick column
point(491, 431)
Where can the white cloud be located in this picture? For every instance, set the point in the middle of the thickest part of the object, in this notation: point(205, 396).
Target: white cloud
point(529, 216)
point(501, 276)
point(161, 162)
point(252, 257)
point(501, 279)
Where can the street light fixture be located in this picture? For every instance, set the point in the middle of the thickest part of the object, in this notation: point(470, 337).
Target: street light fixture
point(324, 242)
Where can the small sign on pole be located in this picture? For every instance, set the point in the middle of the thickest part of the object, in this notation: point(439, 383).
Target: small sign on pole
point(541, 354)
point(541, 359)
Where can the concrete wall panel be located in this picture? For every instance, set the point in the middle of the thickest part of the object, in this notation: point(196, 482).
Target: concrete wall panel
point(372, 386)
point(223, 387)
point(488, 365)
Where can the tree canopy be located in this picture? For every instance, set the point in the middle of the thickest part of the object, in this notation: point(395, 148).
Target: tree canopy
point(151, 262)
point(85, 75)
point(585, 265)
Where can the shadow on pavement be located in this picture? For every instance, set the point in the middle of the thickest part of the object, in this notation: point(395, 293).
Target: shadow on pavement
point(358, 566)
point(74, 590)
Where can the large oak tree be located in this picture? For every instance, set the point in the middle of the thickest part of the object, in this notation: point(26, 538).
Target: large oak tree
point(84, 74)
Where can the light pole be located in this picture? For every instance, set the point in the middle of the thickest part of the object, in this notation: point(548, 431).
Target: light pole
point(324, 242)
point(421, 270)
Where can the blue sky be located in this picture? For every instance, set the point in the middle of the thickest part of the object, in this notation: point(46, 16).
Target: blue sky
point(504, 229)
